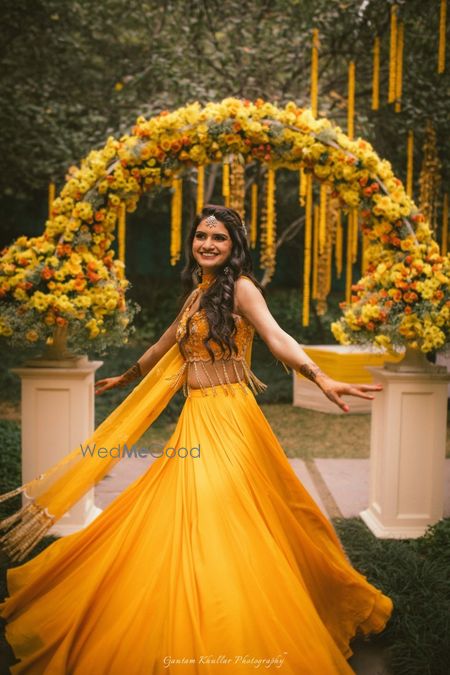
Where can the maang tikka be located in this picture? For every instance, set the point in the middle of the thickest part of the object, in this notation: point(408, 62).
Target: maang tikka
point(211, 221)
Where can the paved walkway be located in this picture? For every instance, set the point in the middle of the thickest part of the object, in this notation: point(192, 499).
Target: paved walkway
point(340, 487)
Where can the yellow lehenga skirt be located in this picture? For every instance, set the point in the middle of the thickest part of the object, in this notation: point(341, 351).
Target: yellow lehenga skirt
point(205, 564)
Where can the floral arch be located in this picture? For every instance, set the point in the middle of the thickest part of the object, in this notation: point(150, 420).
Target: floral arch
point(69, 274)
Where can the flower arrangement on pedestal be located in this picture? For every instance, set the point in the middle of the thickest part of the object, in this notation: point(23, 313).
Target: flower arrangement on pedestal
point(402, 301)
point(64, 292)
point(69, 274)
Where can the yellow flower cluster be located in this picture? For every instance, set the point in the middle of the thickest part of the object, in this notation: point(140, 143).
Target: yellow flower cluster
point(401, 301)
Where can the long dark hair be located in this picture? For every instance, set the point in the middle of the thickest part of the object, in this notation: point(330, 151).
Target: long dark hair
point(218, 299)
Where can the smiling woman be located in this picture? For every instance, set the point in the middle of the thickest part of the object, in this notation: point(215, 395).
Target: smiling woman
point(201, 563)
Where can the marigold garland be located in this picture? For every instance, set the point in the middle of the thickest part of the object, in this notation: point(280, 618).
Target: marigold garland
point(399, 68)
point(302, 188)
point(410, 163)
point(430, 176)
point(322, 216)
point(176, 221)
point(315, 71)
point(237, 188)
point(393, 54)
point(442, 36)
point(339, 244)
point(349, 264)
point(51, 197)
point(325, 255)
point(376, 74)
point(200, 188)
point(122, 231)
point(315, 270)
point(354, 222)
point(70, 273)
point(351, 100)
point(444, 237)
point(254, 219)
point(307, 249)
point(226, 182)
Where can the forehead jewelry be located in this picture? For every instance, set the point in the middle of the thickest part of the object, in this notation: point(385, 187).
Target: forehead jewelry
point(211, 221)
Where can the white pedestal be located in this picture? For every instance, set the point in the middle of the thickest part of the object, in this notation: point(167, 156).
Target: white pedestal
point(408, 438)
point(57, 415)
point(443, 359)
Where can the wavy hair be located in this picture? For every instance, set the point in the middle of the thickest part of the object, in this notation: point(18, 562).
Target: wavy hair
point(218, 299)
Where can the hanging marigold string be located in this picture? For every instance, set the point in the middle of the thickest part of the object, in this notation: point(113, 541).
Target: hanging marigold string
point(339, 246)
point(354, 221)
point(226, 183)
point(399, 68)
point(315, 269)
point(268, 226)
point(376, 74)
point(430, 177)
point(200, 187)
point(307, 250)
point(444, 238)
point(410, 163)
point(51, 197)
point(270, 240)
point(254, 219)
point(364, 244)
point(349, 269)
point(392, 54)
point(176, 220)
point(351, 100)
point(302, 187)
point(325, 256)
point(442, 36)
point(323, 216)
point(237, 188)
point(315, 71)
point(122, 231)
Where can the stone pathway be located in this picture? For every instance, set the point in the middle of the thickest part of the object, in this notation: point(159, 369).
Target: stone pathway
point(340, 487)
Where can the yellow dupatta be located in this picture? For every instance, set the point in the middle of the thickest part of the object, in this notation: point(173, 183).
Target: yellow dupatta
point(56, 490)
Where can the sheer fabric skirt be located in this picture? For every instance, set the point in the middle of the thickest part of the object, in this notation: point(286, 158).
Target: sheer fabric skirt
point(207, 563)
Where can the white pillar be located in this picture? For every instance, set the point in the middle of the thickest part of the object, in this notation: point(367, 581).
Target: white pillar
point(58, 413)
point(408, 437)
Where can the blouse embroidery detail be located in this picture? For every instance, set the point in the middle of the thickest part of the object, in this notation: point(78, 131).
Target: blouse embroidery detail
point(197, 354)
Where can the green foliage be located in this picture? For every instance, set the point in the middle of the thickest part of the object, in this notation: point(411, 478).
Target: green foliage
point(61, 97)
point(415, 574)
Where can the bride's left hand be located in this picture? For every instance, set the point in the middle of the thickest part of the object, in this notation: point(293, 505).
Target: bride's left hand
point(334, 390)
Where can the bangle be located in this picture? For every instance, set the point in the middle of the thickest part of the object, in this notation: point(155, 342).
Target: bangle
point(131, 374)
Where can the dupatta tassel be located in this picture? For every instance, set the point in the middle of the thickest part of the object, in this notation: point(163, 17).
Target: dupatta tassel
point(177, 378)
point(255, 383)
point(35, 521)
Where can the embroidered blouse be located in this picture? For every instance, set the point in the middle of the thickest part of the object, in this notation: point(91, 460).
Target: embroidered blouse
point(225, 369)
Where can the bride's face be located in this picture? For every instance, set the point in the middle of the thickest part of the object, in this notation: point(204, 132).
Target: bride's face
point(211, 246)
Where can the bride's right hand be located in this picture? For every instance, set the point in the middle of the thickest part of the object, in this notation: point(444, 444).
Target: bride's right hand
point(107, 383)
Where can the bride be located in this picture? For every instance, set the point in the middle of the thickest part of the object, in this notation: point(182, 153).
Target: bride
point(211, 562)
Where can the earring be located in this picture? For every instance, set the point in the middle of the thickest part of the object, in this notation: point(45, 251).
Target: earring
point(226, 270)
point(199, 272)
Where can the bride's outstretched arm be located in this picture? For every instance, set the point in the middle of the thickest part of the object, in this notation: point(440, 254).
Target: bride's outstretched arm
point(148, 359)
point(251, 304)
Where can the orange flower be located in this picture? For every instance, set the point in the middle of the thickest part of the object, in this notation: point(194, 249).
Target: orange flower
point(47, 273)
